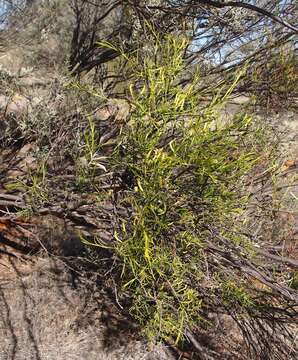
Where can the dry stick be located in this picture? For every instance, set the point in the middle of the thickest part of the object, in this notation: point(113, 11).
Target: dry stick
point(8, 203)
point(12, 244)
point(8, 254)
point(247, 268)
point(11, 197)
point(281, 259)
point(254, 8)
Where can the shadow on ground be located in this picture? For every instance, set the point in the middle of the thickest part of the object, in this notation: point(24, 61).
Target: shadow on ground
point(48, 313)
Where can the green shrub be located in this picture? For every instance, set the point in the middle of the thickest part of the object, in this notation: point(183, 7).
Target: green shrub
point(185, 167)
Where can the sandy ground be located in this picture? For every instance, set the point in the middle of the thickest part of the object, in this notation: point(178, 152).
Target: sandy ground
point(43, 317)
